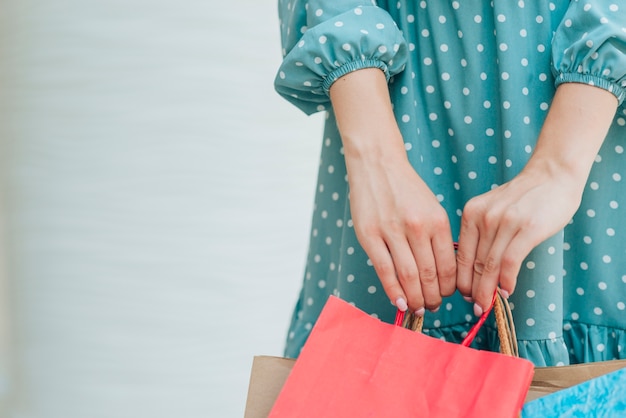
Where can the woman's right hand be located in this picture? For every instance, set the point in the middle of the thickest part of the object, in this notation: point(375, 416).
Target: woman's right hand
point(404, 231)
point(397, 219)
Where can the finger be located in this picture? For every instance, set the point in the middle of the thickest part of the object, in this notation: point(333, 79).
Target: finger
point(406, 272)
point(489, 262)
point(445, 260)
point(485, 267)
point(427, 270)
point(513, 257)
point(379, 255)
point(466, 254)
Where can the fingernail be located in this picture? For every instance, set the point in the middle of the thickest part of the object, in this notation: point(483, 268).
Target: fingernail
point(478, 311)
point(420, 312)
point(468, 299)
point(436, 309)
point(401, 304)
point(504, 294)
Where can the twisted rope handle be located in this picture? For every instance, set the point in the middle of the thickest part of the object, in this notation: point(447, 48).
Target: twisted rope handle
point(504, 325)
point(502, 313)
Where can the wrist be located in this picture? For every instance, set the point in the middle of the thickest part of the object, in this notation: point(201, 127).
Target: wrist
point(382, 147)
point(570, 175)
point(569, 162)
point(365, 119)
point(572, 134)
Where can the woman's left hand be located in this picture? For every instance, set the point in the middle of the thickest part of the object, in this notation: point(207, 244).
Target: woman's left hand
point(502, 226)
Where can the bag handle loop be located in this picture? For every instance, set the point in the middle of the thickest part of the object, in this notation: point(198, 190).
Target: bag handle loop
point(504, 324)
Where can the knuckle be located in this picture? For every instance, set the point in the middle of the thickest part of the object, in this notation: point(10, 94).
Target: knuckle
point(384, 269)
point(395, 226)
point(407, 273)
point(511, 216)
point(366, 232)
point(479, 268)
point(490, 219)
point(435, 221)
point(463, 259)
point(509, 262)
point(473, 208)
point(428, 274)
point(440, 224)
point(531, 223)
point(392, 229)
point(447, 271)
point(491, 265)
point(412, 222)
point(439, 217)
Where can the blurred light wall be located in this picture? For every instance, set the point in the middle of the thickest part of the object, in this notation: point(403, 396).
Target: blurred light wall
point(158, 196)
point(5, 361)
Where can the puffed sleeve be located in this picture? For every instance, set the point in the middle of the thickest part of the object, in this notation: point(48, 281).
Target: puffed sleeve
point(326, 39)
point(589, 46)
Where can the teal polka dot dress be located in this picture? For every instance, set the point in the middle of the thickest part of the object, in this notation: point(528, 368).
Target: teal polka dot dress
point(471, 82)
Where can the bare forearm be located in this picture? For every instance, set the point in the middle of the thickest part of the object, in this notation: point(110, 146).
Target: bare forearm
point(397, 219)
point(502, 226)
point(576, 125)
point(365, 118)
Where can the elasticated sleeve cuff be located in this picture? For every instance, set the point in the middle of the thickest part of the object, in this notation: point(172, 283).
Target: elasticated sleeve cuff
point(589, 46)
point(362, 37)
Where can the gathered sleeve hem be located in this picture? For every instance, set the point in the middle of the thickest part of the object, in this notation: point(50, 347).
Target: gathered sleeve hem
point(359, 38)
point(350, 67)
point(588, 46)
point(592, 80)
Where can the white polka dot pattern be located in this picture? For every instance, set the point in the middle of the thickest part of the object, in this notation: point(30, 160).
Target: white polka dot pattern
point(341, 37)
point(471, 83)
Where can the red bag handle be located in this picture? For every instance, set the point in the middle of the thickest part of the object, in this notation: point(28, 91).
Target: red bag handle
point(472, 332)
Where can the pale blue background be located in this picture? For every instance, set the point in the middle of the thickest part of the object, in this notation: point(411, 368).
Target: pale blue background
point(158, 195)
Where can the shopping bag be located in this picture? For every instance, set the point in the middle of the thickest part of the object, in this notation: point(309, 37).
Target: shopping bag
point(548, 380)
point(267, 378)
point(603, 396)
point(354, 365)
point(268, 375)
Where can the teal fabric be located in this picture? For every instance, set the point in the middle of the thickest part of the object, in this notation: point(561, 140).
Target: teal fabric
point(471, 83)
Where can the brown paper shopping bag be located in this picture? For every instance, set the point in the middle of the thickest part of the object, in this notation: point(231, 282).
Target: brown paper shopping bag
point(267, 378)
point(551, 379)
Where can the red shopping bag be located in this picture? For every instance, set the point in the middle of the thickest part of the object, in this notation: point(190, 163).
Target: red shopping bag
point(354, 365)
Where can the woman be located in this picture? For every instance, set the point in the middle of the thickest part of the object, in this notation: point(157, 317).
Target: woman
point(498, 124)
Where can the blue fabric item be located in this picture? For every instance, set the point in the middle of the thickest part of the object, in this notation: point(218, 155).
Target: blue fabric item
point(604, 396)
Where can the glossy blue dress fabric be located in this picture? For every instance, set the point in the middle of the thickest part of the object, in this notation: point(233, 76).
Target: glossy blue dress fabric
point(471, 82)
